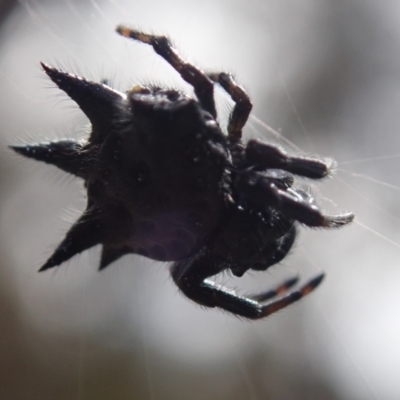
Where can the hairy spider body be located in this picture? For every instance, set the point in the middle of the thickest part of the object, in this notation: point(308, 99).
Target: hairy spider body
point(165, 182)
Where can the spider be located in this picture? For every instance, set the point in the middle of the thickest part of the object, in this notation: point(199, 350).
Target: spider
point(164, 181)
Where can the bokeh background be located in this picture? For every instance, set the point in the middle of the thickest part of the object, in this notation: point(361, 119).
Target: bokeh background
point(325, 75)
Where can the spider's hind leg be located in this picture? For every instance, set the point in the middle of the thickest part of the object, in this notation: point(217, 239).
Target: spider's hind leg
point(203, 86)
point(190, 276)
point(243, 105)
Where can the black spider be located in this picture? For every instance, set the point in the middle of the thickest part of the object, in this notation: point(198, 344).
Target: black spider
point(165, 182)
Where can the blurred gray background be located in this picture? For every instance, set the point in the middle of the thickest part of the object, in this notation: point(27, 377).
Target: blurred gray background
point(325, 74)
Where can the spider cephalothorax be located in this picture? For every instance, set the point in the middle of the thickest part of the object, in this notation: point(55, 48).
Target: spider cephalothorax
point(165, 182)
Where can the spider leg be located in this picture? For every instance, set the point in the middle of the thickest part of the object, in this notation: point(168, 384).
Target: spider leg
point(269, 156)
point(190, 276)
point(297, 207)
point(243, 106)
point(278, 291)
point(203, 86)
point(294, 204)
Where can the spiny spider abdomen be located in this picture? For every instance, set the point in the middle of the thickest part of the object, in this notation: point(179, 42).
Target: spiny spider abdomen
point(165, 182)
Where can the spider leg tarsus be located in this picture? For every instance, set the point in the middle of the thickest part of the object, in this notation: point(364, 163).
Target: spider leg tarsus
point(279, 291)
point(312, 284)
point(337, 221)
point(309, 214)
point(291, 297)
point(134, 34)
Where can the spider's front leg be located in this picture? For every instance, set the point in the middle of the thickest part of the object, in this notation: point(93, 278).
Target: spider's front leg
point(191, 277)
point(203, 86)
point(243, 105)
